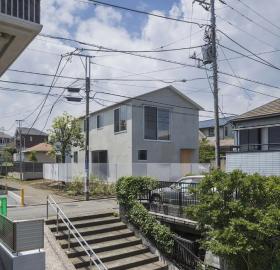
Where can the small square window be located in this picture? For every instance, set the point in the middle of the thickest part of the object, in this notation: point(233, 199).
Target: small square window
point(142, 154)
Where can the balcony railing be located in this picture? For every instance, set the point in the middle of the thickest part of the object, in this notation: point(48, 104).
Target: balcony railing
point(255, 147)
point(28, 10)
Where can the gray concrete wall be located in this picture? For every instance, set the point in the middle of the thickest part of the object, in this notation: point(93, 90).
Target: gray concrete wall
point(184, 129)
point(23, 261)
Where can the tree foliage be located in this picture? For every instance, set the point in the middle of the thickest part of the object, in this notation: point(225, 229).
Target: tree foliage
point(66, 130)
point(128, 189)
point(206, 151)
point(240, 217)
point(32, 156)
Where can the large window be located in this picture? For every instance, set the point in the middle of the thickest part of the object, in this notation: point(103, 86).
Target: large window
point(99, 121)
point(120, 119)
point(274, 138)
point(156, 124)
point(250, 139)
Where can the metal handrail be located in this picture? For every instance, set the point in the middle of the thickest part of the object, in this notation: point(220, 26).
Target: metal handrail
point(83, 243)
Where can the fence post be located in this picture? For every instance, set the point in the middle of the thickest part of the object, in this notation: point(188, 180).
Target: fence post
point(22, 197)
point(57, 223)
point(47, 207)
point(69, 237)
point(180, 201)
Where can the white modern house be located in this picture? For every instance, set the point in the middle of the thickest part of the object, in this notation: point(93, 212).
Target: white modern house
point(19, 25)
point(257, 141)
point(154, 134)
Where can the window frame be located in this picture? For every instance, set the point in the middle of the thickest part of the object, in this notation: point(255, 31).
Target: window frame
point(170, 123)
point(124, 130)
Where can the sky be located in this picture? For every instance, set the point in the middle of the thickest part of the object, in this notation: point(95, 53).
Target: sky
point(124, 30)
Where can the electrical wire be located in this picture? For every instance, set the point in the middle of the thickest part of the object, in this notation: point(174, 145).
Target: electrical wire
point(252, 21)
point(144, 12)
point(254, 54)
point(259, 15)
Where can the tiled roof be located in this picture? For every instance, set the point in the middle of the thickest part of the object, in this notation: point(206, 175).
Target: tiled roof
point(41, 147)
point(271, 108)
point(33, 131)
point(211, 122)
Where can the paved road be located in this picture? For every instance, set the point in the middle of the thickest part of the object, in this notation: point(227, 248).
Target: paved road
point(70, 208)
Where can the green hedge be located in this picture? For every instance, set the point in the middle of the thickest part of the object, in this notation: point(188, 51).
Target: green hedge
point(128, 189)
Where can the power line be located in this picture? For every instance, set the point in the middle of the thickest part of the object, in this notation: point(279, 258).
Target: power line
point(145, 12)
point(246, 32)
point(252, 21)
point(139, 106)
point(248, 89)
point(244, 48)
point(151, 101)
point(45, 99)
point(246, 56)
point(232, 70)
point(260, 15)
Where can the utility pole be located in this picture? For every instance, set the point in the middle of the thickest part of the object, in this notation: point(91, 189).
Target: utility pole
point(20, 147)
point(215, 84)
point(210, 56)
point(88, 71)
point(86, 123)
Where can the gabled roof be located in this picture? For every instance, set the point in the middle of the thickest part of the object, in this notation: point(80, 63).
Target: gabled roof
point(4, 135)
point(33, 131)
point(41, 147)
point(211, 122)
point(269, 109)
point(142, 97)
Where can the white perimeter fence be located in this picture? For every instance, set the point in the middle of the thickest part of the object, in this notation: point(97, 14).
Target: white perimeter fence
point(111, 172)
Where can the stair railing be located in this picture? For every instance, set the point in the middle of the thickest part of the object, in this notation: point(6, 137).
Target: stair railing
point(94, 259)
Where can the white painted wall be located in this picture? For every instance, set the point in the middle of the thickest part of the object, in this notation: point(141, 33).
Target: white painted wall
point(264, 163)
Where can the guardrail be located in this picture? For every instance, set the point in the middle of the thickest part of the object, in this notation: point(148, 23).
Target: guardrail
point(28, 10)
point(184, 253)
point(23, 235)
point(94, 259)
point(255, 147)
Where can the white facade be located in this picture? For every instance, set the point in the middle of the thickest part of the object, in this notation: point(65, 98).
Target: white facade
point(176, 131)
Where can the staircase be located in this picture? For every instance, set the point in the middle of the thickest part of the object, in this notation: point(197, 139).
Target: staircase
point(116, 246)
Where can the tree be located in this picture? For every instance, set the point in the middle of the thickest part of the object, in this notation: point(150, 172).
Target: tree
point(66, 131)
point(206, 151)
point(32, 156)
point(240, 217)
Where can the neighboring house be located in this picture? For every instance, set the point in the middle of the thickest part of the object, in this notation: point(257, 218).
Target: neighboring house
point(19, 25)
point(257, 141)
point(5, 140)
point(29, 138)
point(41, 151)
point(207, 130)
point(157, 127)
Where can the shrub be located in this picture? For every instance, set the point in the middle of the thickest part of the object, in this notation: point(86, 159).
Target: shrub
point(128, 189)
point(240, 216)
point(75, 187)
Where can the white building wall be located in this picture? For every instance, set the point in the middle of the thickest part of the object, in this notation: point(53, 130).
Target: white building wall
point(264, 163)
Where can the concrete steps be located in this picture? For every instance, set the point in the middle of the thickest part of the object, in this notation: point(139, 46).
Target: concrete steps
point(116, 246)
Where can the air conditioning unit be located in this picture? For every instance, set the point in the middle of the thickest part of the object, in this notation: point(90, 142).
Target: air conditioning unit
point(207, 54)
